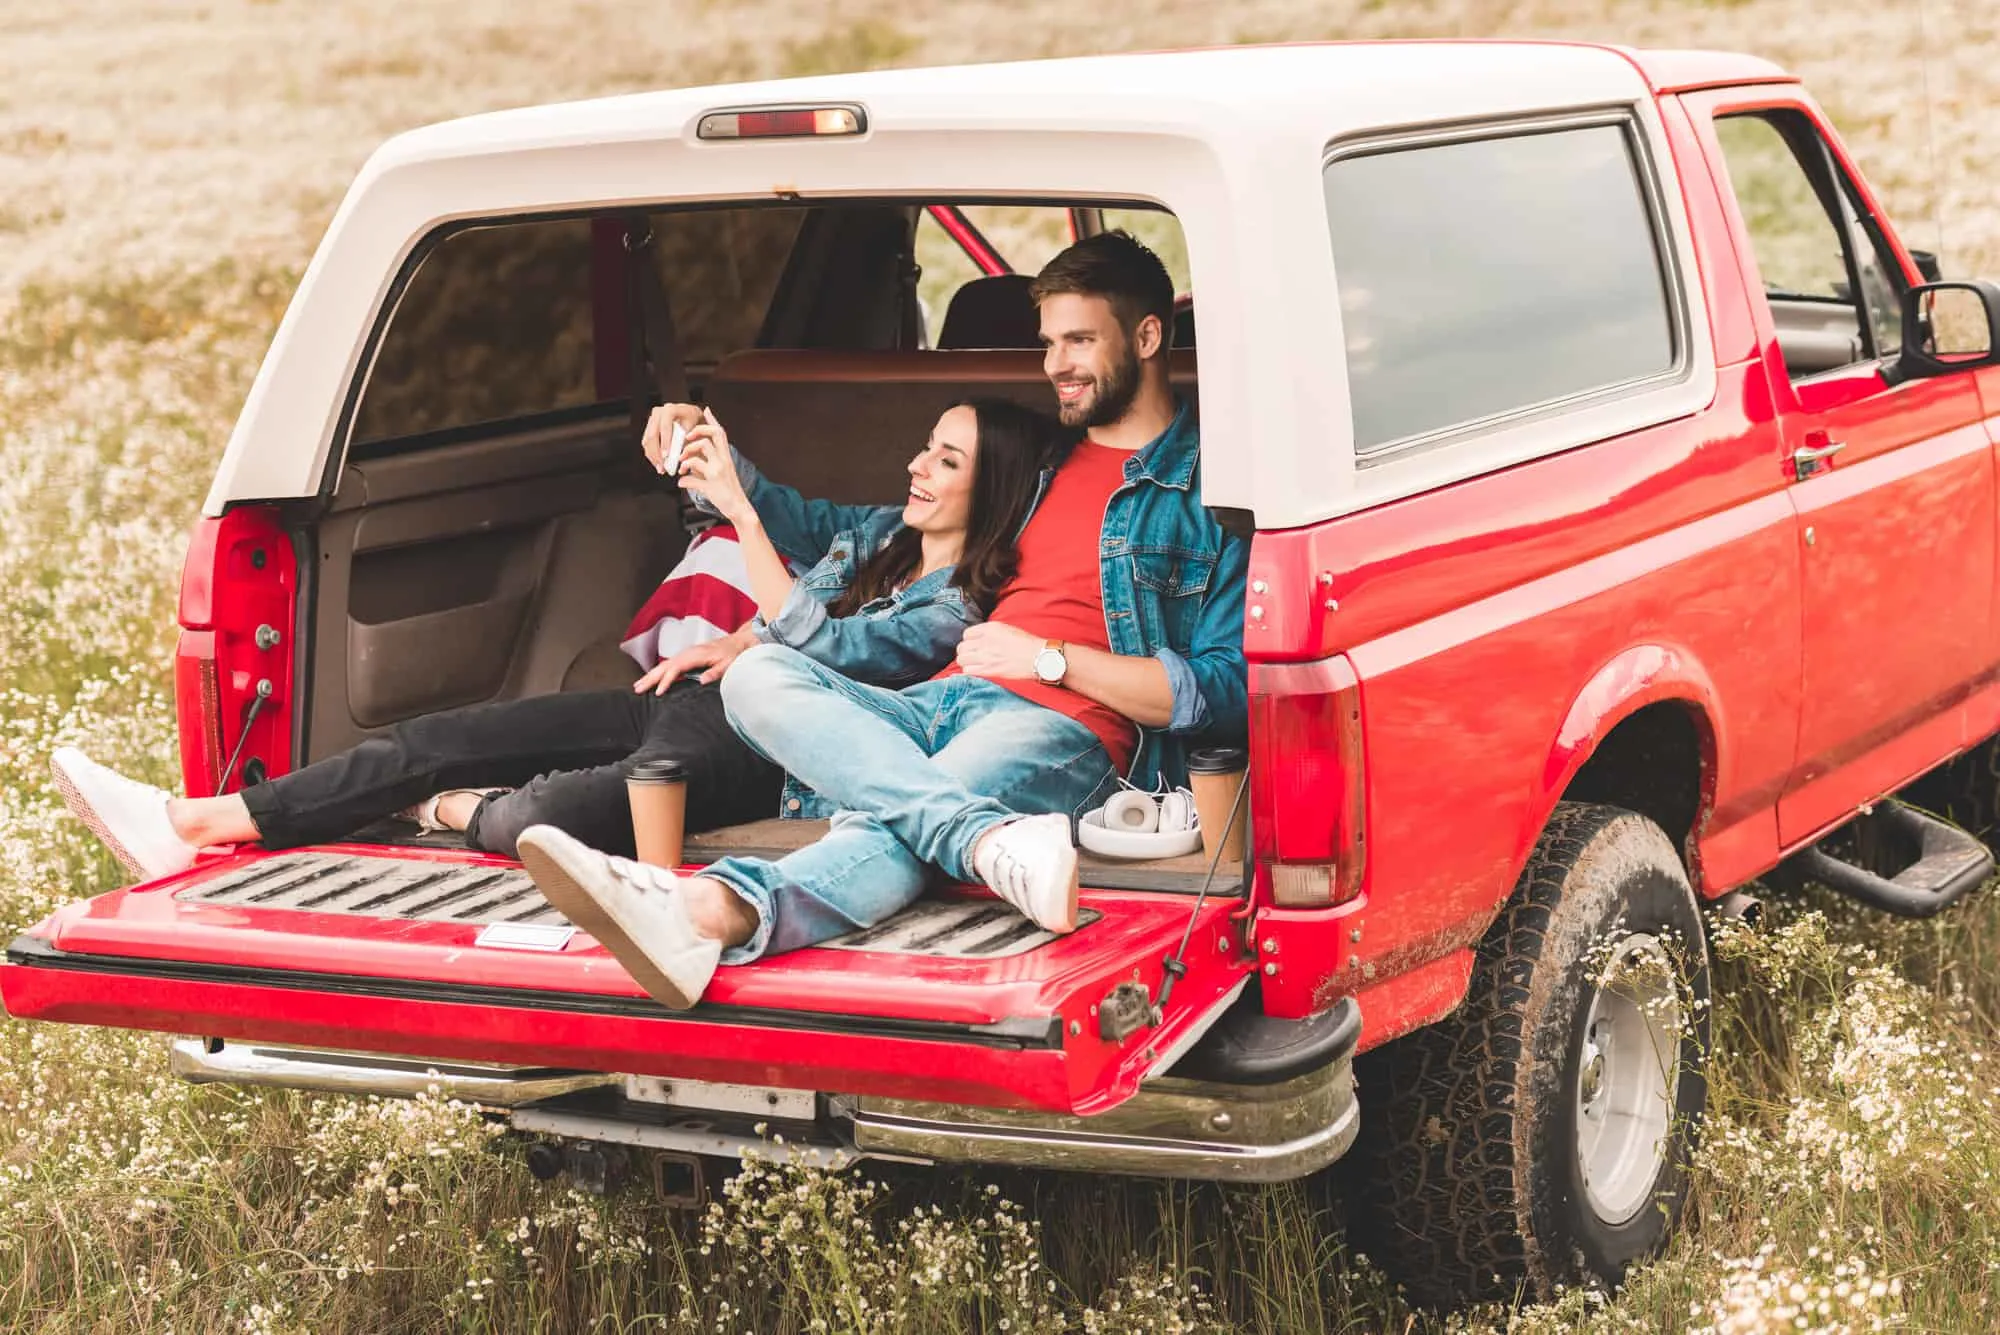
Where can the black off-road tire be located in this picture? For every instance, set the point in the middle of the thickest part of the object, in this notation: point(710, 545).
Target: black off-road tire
point(1466, 1182)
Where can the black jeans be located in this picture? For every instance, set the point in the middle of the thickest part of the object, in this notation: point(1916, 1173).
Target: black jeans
point(564, 755)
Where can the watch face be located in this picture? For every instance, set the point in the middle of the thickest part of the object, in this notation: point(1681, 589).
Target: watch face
point(1049, 665)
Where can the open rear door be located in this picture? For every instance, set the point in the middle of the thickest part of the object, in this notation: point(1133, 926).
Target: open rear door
point(451, 955)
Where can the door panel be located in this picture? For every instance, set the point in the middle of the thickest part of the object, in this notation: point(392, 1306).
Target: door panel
point(1893, 487)
point(477, 569)
point(1897, 555)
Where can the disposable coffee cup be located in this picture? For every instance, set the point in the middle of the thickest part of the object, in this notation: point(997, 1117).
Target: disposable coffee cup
point(658, 792)
point(1215, 774)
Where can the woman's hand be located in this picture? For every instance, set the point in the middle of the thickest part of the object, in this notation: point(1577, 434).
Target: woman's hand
point(659, 432)
point(708, 466)
point(713, 655)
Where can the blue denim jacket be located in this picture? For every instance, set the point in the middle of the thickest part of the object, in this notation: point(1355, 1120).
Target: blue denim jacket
point(1173, 589)
point(902, 637)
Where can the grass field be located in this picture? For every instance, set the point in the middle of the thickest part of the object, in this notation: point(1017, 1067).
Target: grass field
point(164, 170)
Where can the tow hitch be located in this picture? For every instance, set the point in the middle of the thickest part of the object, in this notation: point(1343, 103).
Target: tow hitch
point(679, 1181)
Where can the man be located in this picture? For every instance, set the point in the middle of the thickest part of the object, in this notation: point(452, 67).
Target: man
point(1120, 637)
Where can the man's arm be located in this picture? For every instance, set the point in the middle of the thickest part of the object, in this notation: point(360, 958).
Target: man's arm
point(1136, 687)
point(1204, 690)
point(1212, 681)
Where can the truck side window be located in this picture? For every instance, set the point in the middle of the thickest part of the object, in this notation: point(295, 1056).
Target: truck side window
point(1483, 280)
point(495, 324)
point(1811, 245)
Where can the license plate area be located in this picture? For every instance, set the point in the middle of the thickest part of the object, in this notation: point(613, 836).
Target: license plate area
point(796, 1105)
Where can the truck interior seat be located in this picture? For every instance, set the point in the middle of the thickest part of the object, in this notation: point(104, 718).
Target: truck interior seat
point(992, 312)
point(1816, 336)
point(843, 425)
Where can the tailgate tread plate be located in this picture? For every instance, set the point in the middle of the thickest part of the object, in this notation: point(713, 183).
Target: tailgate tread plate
point(480, 894)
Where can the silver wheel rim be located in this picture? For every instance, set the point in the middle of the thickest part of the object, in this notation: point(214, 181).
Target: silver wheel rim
point(1626, 1076)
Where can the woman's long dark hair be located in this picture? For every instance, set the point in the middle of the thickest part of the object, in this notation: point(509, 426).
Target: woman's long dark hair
point(1015, 444)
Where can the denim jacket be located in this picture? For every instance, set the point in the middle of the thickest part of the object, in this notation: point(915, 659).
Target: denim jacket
point(902, 637)
point(1173, 589)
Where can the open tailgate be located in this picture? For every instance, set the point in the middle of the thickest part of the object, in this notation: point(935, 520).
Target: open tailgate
point(453, 955)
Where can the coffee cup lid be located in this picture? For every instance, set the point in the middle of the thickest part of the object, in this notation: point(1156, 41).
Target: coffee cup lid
point(1217, 760)
point(661, 770)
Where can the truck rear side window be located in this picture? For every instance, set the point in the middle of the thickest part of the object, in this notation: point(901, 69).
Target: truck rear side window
point(1485, 279)
point(497, 325)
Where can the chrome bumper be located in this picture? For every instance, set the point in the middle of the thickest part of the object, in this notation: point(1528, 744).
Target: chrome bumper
point(325, 1072)
point(1170, 1128)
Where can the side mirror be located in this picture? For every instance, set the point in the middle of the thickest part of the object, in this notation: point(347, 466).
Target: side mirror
point(1949, 327)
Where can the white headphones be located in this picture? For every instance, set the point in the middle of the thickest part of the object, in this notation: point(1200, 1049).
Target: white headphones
point(1134, 823)
point(1136, 811)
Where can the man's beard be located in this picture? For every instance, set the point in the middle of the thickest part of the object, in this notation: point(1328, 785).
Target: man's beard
point(1111, 400)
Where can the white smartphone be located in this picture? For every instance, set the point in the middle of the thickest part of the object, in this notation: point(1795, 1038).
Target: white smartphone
point(671, 465)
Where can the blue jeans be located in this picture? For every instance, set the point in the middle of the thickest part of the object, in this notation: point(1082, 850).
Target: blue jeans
point(920, 773)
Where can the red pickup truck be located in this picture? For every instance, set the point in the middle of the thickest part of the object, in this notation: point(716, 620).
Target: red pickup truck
point(1621, 494)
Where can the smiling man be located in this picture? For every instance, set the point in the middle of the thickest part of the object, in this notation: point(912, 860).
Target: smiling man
point(1118, 641)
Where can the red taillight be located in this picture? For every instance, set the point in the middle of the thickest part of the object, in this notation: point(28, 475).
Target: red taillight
point(198, 706)
point(781, 123)
point(233, 665)
point(1307, 804)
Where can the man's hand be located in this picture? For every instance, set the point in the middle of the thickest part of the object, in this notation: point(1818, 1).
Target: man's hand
point(713, 655)
point(996, 650)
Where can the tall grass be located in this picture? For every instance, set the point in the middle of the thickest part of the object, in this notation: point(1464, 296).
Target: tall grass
point(1848, 1179)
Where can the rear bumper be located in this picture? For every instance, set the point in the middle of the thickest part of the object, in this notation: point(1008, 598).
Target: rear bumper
point(205, 1061)
point(1171, 1128)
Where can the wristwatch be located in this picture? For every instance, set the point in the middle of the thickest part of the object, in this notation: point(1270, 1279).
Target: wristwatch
point(1051, 664)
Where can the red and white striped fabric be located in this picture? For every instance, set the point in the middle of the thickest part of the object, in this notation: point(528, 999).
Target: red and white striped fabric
point(706, 596)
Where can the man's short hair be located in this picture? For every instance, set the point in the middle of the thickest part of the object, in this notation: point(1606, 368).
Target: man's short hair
point(1120, 268)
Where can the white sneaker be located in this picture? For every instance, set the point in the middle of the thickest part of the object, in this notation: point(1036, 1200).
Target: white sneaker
point(1031, 863)
point(630, 907)
point(129, 816)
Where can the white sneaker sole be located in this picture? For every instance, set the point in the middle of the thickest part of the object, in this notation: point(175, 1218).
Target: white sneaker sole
point(81, 807)
point(562, 889)
point(1070, 893)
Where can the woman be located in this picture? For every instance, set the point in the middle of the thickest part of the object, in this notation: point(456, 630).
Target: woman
point(889, 597)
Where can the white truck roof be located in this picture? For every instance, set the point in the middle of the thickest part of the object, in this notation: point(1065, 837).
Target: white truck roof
point(1232, 140)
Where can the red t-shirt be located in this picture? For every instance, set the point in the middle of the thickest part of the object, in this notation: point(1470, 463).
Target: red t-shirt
point(1057, 592)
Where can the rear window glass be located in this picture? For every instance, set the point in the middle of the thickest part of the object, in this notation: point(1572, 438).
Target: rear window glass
point(1162, 232)
point(1027, 237)
point(1485, 277)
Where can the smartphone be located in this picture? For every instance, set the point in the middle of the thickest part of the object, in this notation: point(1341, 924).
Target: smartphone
point(671, 465)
